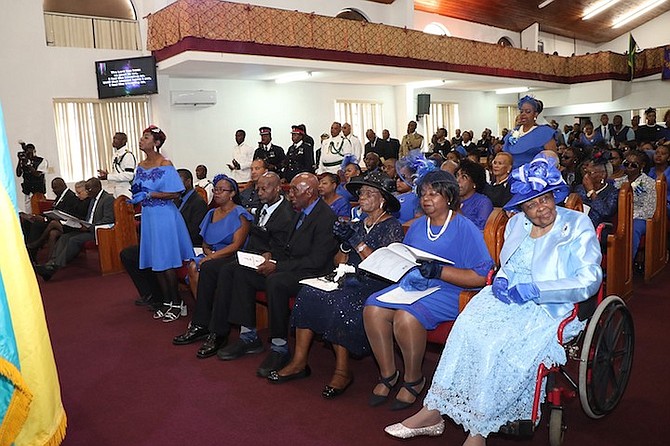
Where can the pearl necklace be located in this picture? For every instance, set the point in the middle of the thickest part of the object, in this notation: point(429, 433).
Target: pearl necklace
point(365, 226)
point(429, 233)
point(522, 132)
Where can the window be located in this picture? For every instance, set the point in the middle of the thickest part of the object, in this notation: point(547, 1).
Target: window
point(361, 116)
point(506, 117)
point(437, 29)
point(108, 24)
point(85, 128)
point(352, 14)
point(442, 114)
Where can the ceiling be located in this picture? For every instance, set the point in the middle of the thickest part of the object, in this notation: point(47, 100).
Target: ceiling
point(561, 17)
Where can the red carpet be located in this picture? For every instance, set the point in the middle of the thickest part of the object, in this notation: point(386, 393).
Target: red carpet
point(124, 383)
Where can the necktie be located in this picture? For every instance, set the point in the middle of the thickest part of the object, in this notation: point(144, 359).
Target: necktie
point(301, 218)
point(91, 208)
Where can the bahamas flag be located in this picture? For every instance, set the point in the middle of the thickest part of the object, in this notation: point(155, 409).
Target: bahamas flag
point(632, 47)
point(31, 412)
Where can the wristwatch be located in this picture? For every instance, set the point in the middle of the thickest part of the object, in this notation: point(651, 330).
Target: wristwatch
point(361, 247)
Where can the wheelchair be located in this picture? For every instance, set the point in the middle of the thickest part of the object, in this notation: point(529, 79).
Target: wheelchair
point(603, 351)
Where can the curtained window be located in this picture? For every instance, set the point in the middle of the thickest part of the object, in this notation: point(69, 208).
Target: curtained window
point(85, 128)
point(442, 114)
point(361, 115)
point(91, 32)
point(506, 117)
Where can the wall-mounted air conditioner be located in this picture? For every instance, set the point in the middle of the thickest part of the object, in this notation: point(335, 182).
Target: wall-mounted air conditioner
point(193, 98)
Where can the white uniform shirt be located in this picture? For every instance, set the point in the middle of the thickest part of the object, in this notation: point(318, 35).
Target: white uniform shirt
point(244, 155)
point(122, 173)
point(333, 150)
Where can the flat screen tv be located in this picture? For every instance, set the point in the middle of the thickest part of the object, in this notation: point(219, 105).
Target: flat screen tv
point(126, 77)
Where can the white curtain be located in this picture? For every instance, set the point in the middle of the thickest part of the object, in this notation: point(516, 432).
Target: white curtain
point(361, 116)
point(85, 128)
point(442, 114)
point(91, 32)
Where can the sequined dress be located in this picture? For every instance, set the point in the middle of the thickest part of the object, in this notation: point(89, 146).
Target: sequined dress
point(338, 315)
point(486, 374)
point(164, 238)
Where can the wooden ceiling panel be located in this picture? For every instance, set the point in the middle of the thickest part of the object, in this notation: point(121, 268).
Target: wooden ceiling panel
point(562, 17)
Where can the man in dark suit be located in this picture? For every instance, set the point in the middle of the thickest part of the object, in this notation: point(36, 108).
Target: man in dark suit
point(605, 129)
point(309, 253)
point(100, 212)
point(273, 154)
point(393, 145)
point(193, 208)
point(374, 144)
point(268, 237)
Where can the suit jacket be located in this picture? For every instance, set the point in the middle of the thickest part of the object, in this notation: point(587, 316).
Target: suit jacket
point(393, 148)
point(610, 131)
point(70, 204)
point(566, 260)
point(104, 210)
point(273, 236)
point(194, 211)
point(381, 148)
point(310, 248)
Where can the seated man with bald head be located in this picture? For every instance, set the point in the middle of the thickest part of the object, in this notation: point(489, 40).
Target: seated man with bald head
point(268, 236)
point(308, 252)
point(100, 212)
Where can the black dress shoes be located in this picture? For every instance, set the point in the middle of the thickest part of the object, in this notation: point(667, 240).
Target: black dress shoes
point(213, 343)
point(193, 333)
point(273, 361)
point(144, 300)
point(276, 378)
point(239, 349)
point(46, 271)
point(330, 392)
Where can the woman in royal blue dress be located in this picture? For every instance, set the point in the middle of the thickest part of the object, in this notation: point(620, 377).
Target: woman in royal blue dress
point(224, 229)
point(446, 233)
point(476, 206)
point(406, 168)
point(338, 315)
point(487, 372)
point(529, 139)
point(164, 239)
point(328, 186)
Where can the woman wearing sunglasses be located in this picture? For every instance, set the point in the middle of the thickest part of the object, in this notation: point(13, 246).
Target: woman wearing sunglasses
point(644, 196)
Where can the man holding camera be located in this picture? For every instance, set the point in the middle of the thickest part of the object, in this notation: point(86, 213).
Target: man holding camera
point(31, 167)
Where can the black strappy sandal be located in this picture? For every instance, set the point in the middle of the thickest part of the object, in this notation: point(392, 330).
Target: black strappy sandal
point(390, 382)
point(400, 405)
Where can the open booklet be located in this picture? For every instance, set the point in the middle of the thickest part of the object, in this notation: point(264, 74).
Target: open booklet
point(250, 259)
point(393, 261)
point(67, 219)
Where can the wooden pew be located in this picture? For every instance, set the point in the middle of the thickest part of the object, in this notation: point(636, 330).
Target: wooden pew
point(574, 202)
point(111, 241)
point(619, 280)
point(202, 192)
point(35, 203)
point(655, 245)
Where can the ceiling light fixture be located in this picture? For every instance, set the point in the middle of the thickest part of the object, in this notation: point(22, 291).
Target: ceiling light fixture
point(512, 90)
point(597, 8)
point(637, 12)
point(293, 77)
point(545, 3)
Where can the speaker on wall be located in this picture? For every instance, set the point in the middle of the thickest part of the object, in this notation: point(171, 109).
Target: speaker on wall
point(423, 104)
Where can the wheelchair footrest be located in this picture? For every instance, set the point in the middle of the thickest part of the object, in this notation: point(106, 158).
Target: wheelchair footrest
point(522, 428)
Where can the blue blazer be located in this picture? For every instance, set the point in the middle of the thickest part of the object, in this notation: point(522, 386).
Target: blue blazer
point(566, 260)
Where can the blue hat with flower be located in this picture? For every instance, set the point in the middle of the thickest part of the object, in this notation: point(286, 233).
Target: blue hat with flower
point(536, 178)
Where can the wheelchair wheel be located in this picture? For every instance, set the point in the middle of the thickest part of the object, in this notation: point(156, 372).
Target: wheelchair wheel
point(606, 357)
point(556, 426)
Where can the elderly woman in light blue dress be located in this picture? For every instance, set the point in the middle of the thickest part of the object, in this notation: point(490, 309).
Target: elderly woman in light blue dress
point(550, 260)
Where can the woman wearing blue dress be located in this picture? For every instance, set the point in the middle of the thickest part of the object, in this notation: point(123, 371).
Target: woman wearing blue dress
point(444, 232)
point(328, 185)
point(224, 229)
point(476, 206)
point(487, 372)
point(529, 139)
point(338, 315)
point(406, 177)
point(164, 239)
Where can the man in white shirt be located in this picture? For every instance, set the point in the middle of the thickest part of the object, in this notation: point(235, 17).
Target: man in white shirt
point(332, 150)
point(123, 168)
point(240, 166)
point(352, 143)
point(204, 182)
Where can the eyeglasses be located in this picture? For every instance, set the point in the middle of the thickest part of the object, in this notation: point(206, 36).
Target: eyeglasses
point(220, 190)
point(632, 165)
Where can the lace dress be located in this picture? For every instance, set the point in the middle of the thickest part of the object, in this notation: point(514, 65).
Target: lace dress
point(486, 375)
point(338, 315)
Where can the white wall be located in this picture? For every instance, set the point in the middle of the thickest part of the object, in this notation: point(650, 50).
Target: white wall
point(565, 46)
point(466, 30)
point(650, 35)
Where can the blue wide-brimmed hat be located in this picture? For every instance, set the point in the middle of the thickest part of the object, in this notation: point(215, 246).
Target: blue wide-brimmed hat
point(536, 178)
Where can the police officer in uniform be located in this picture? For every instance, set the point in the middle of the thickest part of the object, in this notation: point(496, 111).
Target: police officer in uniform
point(300, 156)
point(272, 154)
point(123, 168)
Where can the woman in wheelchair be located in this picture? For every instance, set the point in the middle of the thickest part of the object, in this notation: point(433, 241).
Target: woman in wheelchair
point(550, 260)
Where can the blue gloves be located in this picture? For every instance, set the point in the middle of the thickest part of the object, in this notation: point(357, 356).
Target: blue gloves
point(523, 292)
point(500, 290)
point(138, 197)
point(345, 232)
point(413, 281)
point(430, 270)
